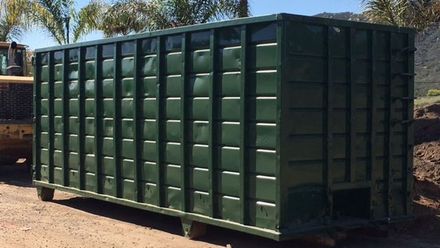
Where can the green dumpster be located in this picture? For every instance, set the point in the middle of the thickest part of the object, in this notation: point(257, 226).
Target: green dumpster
point(277, 126)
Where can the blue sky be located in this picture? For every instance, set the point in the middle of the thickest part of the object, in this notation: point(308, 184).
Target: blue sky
point(37, 38)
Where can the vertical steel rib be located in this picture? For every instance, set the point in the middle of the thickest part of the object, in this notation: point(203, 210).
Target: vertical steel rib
point(212, 144)
point(117, 138)
point(159, 131)
point(328, 138)
point(407, 170)
point(243, 123)
point(51, 116)
point(65, 100)
point(352, 110)
point(98, 100)
point(281, 113)
point(373, 120)
point(137, 119)
point(81, 133)
point(183, 124)
point(36, 151)
point(389, 128)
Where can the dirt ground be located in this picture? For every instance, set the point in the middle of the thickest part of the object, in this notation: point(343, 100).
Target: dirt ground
point(72, 221)
point(427, 141)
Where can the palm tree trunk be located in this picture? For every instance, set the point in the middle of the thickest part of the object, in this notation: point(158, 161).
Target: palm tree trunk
point(243, 8)
point(67, 22)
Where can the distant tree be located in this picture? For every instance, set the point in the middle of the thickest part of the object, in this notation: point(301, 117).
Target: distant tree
point(417, 14)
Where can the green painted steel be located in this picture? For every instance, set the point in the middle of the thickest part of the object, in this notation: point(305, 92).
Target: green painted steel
point(276, 126)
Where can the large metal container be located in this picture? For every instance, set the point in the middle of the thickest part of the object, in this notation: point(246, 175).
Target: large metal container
point(276, 126)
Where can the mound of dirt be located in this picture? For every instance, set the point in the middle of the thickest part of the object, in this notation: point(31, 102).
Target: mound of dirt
point(427, 140)
point(427, 124)
point(431, 111)
point(427, 167)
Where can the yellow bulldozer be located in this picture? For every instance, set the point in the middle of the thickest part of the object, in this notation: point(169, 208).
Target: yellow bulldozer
point(16, 112)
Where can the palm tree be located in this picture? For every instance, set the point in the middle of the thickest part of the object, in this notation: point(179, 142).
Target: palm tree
point(236, 8)
point(418, 14)
point(9, 31)
point(124, 17)
point(12, 19)
point(424, 13)
point(60, 19)
point(87, 19)
point(132, 16)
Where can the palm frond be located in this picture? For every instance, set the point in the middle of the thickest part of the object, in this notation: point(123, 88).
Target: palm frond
point(13, 19)
point(235, 8)
point(9, 32)
point(88, 19)
point(48, 14)
point(124, 17)
point(417, 14)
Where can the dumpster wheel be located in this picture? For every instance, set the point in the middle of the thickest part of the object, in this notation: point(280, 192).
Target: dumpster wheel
point(45, 194)
point(193, 229)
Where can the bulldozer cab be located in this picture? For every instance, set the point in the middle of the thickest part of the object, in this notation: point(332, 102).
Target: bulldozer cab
point(20, 58)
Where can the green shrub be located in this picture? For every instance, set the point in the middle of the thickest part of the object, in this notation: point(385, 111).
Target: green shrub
point(433, 92)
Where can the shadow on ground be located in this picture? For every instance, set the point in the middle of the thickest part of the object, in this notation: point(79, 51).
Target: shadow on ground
point(424, 227)
point(168, 224)
point(427, 129)
point(18, 175)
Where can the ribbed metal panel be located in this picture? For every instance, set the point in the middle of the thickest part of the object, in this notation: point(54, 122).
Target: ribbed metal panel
point(274, 125)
